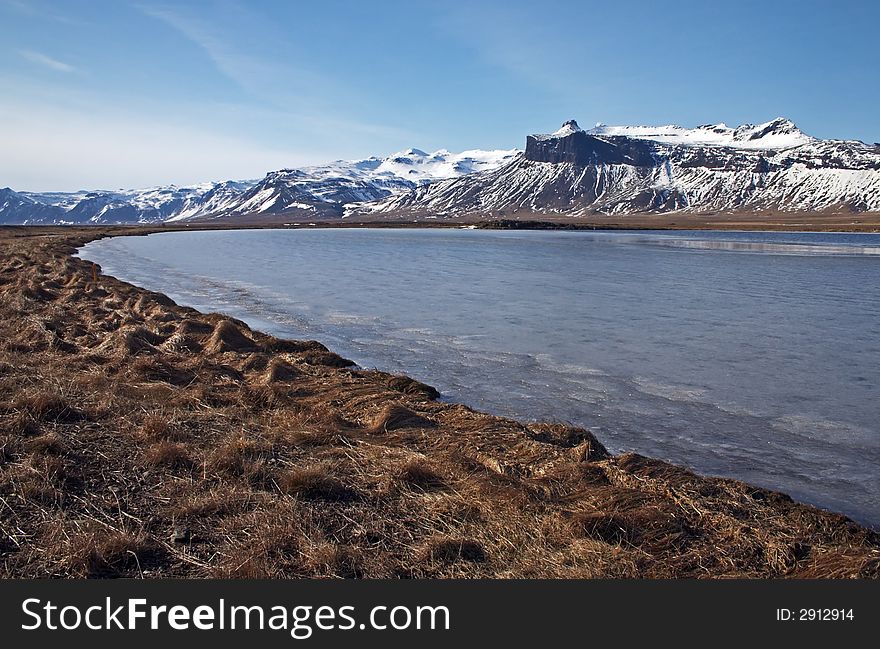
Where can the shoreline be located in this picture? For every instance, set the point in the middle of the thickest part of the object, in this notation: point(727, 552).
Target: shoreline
point(238, 454)
point(367, 343)
point(795, 222)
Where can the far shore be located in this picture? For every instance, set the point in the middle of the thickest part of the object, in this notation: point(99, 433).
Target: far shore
point(867, 222)
point(141, 438)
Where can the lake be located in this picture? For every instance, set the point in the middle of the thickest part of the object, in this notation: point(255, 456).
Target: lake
point(747, 355)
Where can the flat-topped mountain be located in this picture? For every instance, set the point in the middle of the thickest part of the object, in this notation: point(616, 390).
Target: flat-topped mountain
point(643, 169)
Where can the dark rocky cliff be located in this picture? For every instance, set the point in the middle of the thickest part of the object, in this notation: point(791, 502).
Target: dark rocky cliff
point(581, 149)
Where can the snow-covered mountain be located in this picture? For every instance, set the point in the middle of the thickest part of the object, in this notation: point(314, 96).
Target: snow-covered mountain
point(572, 172)
point(326, 190)
point(20, 208)
point(318, 191)
point(628, 169)
point(152, 205)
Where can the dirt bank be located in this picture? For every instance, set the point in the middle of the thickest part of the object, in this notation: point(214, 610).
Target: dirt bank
point(138, 437)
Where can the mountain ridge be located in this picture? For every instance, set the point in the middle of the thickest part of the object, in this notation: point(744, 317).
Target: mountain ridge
point(628, 170)
point(571, 173)
point(319, 191)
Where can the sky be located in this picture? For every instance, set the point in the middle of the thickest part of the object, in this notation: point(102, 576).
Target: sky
point(128, 94)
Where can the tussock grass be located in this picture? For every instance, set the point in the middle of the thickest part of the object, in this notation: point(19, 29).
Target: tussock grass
point(280, 372)
point(450, 550)
point(160, 427)
point(263, 544)
point(46, 406)
point(193, 327)
point(310, 438)
point(181, 344)
point(840, 564)
point(229, 337)
point(214, 504)
point(150, 368)
point(111, 553)
point(587, 447)
point(22, 424)
point(419, 473)
point(131, 340)
point(167, 454)
point(328, 559)
point(46, 444)
point(260, 397)
point(410, 386)
point(643, 526)
point(10, 447)
point(240, 456)
point(395, 416)
point(316, 482)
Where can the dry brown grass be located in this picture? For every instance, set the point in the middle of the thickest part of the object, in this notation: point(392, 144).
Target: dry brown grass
point(229, 337)
point(450, 550)
point(215, 503)
point(159, 427)
point(111, 553)
point(269, 546)
point(395, 416)
point(419, 473)
point(316, 482)
point(239, 455)
point(279, 371)
point(328, 559)
point(46, 444)
point(168, 454)
point(10, 445)
point(46, 406)
point(138, 437)
point(645, 527)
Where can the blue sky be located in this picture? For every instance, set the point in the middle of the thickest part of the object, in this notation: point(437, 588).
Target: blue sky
point(106, 94)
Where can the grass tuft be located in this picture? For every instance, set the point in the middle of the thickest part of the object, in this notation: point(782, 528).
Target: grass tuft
point(316, 483)
point(167, 454)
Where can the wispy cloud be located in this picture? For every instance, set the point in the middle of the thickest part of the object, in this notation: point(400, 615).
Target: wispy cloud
point(529, 50)
point(247, 69)
point(291, 90)
point(46, 61)
point(39, 11)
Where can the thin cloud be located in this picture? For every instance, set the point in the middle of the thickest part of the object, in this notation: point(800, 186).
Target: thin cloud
point(541, 60)
point(268, 81)
point(46, 61)
point(39, 11)
point(252, 73)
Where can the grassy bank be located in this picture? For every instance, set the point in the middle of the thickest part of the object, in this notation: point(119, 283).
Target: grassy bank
point(142, 438)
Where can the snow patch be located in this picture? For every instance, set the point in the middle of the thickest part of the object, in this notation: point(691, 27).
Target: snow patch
point(776, 134)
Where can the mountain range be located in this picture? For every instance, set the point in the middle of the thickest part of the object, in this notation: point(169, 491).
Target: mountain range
point(311, 192)
point(571, 172)
point(642, 169)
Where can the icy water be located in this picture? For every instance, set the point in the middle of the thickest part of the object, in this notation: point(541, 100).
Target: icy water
point(750, 355)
